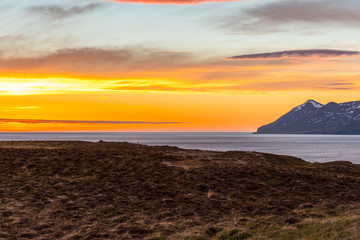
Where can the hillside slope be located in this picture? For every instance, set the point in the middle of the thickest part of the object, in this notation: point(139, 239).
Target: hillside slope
point(312, 117)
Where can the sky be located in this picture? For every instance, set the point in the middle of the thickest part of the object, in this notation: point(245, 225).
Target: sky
point(172, 65)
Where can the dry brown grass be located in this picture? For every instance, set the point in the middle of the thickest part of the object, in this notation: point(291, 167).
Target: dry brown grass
point(79, 190)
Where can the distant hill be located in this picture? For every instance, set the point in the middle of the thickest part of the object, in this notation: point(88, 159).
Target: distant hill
point(313, 117)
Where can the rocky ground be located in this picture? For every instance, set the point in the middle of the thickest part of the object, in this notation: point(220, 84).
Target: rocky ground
point(80, 190)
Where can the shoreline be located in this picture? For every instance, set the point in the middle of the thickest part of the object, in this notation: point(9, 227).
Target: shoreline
point(44, 142)
point(312, 148)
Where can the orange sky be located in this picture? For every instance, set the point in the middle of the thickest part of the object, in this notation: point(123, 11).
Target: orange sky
point(93, 66)
point(235, 98)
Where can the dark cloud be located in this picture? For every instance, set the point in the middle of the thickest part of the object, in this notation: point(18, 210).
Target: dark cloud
point(339, 88)
point(171, 1)
point(39, 121)
point(297, 54)
point(282, 15)
point(56, 11)
point(341, 84)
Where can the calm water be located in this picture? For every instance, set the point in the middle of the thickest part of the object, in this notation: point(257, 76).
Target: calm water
point(314, 148)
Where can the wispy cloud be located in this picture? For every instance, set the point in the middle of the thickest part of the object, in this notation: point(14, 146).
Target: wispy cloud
point(282, 15)
point(341, 84)
point(101, 62)
point(39, 121)
point(57, 11)
point(339, 88)
point(132, 69)
point(172, 1)
point(297, 84)
point(297, 54)
point(16, 109)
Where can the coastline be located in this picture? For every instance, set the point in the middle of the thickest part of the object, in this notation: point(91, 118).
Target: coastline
point(312, 148)
point(119, 190)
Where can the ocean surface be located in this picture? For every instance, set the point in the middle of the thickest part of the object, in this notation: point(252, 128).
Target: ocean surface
point(313, 148)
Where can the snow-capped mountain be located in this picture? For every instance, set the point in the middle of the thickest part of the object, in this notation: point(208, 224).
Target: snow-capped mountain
point(312, 117)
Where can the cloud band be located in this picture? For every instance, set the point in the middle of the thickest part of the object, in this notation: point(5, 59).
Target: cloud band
point(297, 54)
point(171, 1)
point(56, 11)
point(39, 121)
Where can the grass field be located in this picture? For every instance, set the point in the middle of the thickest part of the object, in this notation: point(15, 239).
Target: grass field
point(80, 190)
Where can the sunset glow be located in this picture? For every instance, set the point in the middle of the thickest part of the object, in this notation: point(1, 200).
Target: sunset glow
point(204, 71)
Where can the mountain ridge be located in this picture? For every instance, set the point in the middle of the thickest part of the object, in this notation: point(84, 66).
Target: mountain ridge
point(312, 117)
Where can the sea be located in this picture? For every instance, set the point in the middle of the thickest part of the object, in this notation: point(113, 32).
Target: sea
point(312, 148)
